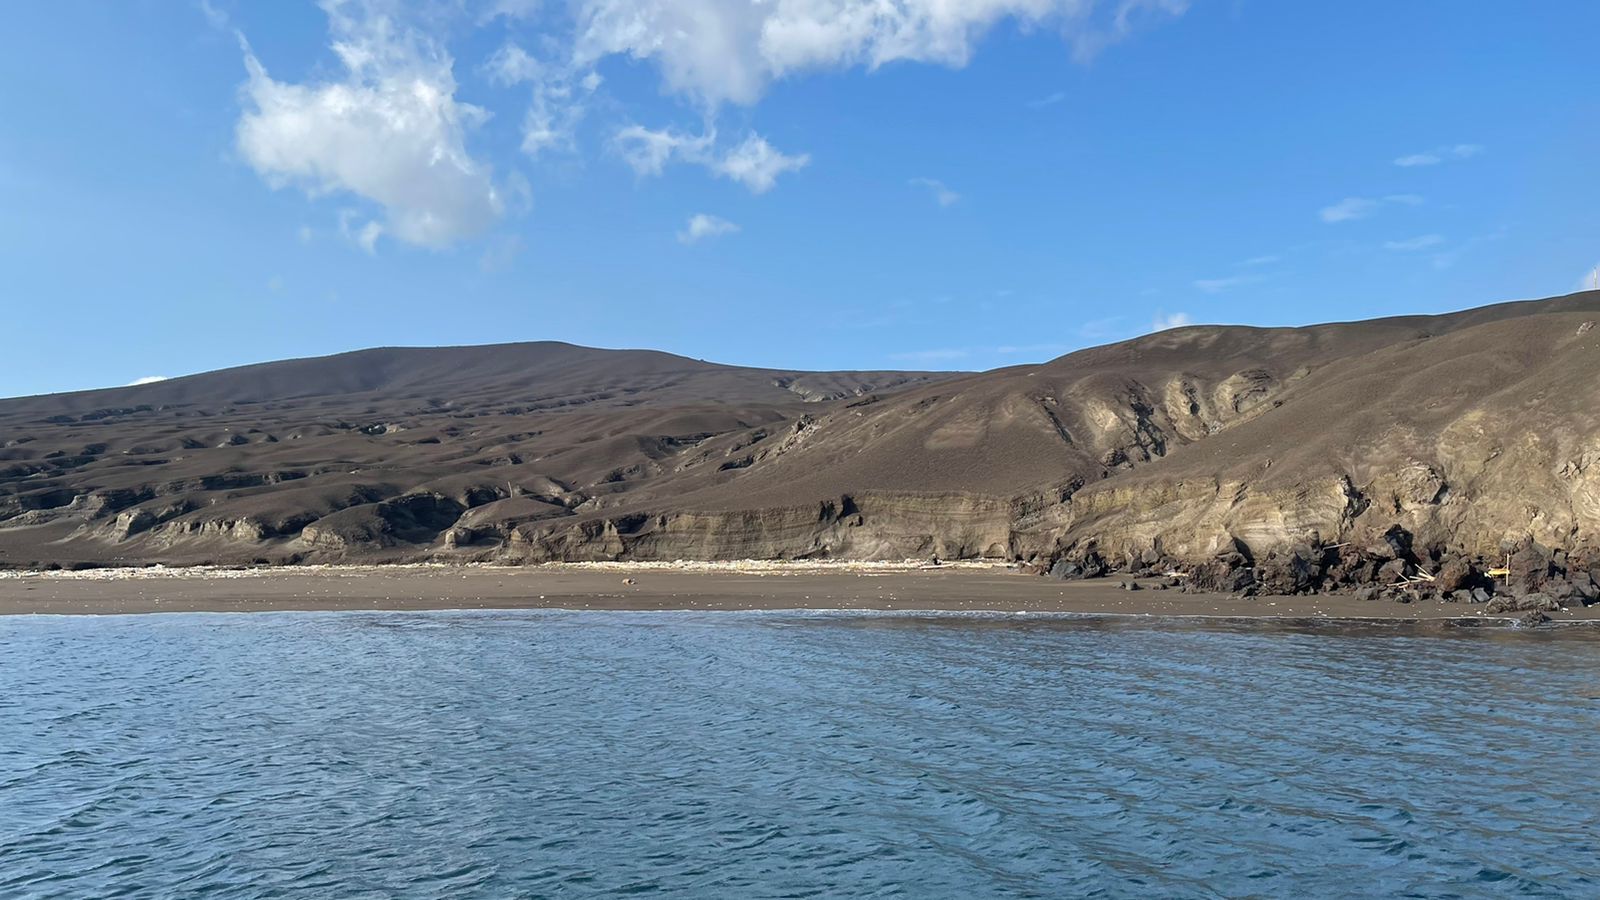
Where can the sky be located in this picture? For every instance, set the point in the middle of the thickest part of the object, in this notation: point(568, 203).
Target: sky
point(814, 184)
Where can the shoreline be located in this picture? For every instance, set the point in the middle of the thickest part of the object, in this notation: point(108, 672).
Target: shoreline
point(801, 587)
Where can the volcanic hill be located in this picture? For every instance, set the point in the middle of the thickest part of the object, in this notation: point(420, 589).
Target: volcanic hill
point(1465, 432)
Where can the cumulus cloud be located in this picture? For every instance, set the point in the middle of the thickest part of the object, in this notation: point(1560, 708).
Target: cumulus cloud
point(1164, 321)
point(390, 131)
point(1351, 208)
point(729, 51)
point(941, 194)
point(388, 127)
point(1421, 242)
point(148, 379)
point(1439, 154)
point(703, 225)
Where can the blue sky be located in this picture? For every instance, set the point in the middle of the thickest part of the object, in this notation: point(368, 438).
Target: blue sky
point(799, 183)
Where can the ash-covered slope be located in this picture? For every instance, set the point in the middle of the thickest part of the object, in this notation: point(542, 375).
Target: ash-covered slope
point(373, 454)
point(1464, 431)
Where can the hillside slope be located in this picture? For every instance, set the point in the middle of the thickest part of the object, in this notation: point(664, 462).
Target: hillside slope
point(1468, 432)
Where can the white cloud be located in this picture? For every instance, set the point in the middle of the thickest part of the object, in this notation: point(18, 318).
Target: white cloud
point(754, 163)
point(1218, 285)
point(1347, 209)
point(216, 18)
point(1165, 321)
point(703, 225)
point(1051, 100)
point(1351, 208)
point(559, 100)
point(390, 131)
point(1439, 154)
point(647, 152)
point(1421, 242)
point(1265, 260)
point(757, 165)
point(941, 194)
point(148, 379)
point(729, 51)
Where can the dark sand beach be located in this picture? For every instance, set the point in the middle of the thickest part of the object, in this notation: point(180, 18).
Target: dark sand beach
point(730, 586)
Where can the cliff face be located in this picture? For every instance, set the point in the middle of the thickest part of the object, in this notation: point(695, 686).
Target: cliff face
point(1467, 432)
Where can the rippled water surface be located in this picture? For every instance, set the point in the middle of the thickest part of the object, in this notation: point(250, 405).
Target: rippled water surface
point(779, 755)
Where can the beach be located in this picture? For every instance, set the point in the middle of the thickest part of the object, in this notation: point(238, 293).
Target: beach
point(730, 586)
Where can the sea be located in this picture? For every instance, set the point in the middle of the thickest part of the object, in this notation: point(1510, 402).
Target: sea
point(784, 754)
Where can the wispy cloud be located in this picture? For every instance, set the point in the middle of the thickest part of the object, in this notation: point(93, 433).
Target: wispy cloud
point(753, 163)
point(1421, 242)
point(1438, 155)
point(1351, 208)
point(703, 225)
point(941, 194)
point(1165, 321)
point(1051, 100)
point(1265, 260)
point(148, 379)
point(1218, 285)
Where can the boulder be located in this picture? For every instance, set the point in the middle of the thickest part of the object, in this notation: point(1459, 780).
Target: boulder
point(1530, 567)
point(1523, 603)
point(1064, 568)
point(1228, 574)
point(1392, 571)
point(1298, 570)
point(1584, 589)
point(1456, 573)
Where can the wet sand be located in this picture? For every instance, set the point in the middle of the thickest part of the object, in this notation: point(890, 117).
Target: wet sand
point(717, 587)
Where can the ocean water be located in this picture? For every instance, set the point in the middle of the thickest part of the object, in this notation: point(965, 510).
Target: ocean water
point(553, 754)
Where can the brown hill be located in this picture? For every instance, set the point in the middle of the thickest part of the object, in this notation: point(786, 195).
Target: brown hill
point(1464, 431)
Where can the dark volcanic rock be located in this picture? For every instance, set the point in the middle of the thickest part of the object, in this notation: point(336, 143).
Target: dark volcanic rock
point(1227, 574)
point(1298, 570)
point(1523, 603)
point(1456, 573)
point(1531, 567)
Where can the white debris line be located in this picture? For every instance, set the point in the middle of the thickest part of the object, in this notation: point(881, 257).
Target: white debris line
point(737, 566)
